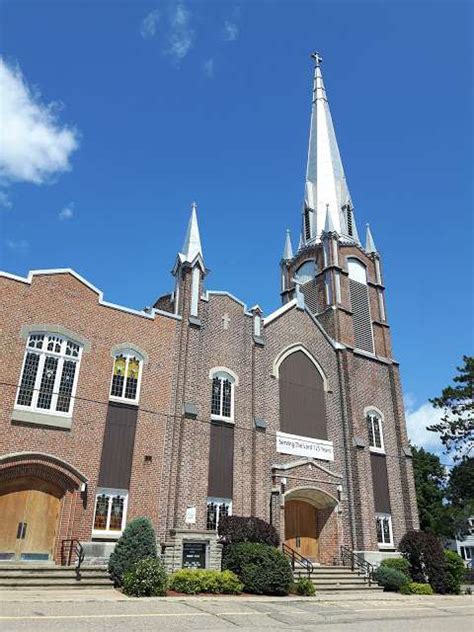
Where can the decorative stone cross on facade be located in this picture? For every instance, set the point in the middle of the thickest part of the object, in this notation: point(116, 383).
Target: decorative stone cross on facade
point(226, 321)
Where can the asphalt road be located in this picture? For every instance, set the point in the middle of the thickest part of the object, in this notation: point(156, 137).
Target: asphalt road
point(103, 613)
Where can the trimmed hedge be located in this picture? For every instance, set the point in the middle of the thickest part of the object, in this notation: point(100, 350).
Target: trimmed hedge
point(455, 572)
point(398, 563)
point(263, 569)
point(235, 529)
point(391, 579)
point(425, 556)
point(192, 581)
point(304, 587)
point(146, 579)
point(136, 543)
point(415, 588)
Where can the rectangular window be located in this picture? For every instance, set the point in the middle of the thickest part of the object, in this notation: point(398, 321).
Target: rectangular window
point(374, 426)
point(49, 375)
point(216, 509)
point(126, 378)
point(384, 530)
point(110, 512)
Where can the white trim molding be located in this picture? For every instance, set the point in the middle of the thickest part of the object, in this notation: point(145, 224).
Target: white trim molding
point(224, 369)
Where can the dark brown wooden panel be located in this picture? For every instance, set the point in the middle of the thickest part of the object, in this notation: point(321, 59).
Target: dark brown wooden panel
point(221, 461)
point(380, 483)
point(117, 451)
point(302, 398)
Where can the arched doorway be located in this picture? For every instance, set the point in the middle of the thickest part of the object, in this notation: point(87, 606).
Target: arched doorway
point(306, 513)
point(30, 510)
point(40, 495)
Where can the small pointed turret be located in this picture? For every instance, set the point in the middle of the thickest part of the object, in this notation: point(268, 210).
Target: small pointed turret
point(192, 242)
point(325, 179)
point(288, 249)
point(328, 225)
point(370, 247)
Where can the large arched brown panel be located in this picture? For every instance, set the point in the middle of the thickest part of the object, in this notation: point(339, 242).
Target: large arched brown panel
point(302, 397)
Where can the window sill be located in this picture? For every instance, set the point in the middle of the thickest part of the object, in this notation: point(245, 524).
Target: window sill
point(386, 547)
point(36, 418)
point(377, 450)
point(122, 400)
point(106, 535)
point(226, 420)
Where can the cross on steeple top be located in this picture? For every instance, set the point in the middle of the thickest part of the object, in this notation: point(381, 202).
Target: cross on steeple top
point(317, 58)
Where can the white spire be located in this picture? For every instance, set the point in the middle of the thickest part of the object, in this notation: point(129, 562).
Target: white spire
point(325, 179)
point(288, 249)
point(192, 242)
point(370, 246)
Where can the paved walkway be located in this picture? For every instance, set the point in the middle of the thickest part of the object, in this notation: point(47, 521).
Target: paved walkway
point(107, 611)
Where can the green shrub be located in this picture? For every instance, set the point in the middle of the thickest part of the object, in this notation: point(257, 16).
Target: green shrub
point(391, 579)
point(263, 569)
point(235, 529)
point(425, 556)
point(136, 543)
point(415, 588)
point(455, 572)
point(304, 587)
point(146, 579)
point(196, 580)
point(398, 563)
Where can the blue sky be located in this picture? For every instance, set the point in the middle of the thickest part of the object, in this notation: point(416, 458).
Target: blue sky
point(155, 104)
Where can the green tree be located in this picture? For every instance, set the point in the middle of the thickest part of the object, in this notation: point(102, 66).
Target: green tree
point(460, 494)
point(430, 483)
point(456, 427)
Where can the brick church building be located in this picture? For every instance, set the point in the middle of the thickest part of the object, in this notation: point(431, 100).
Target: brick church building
point(199, 407)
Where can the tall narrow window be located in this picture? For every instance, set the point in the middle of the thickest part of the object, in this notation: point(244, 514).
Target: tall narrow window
point(361, 317)
point(384, 530)
point(217, 508)
point(222, 400)
point(374, 428)
point(49, 375)
point(110, 512)
point(126, 377)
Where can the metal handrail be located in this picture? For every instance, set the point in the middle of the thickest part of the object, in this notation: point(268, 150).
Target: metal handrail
point(358, 562)
point(296, 557)
point(71, 549)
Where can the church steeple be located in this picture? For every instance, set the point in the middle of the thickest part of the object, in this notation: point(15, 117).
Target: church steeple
point(192, 241)
point(288, 248)
point(325, 186)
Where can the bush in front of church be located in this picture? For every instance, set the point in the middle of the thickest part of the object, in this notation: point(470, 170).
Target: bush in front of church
point(147, 578)
point(137, 542)
point(424, 553)
point(200, 580)
point(263, 569)
point(391, 579)
point(398, 563)
point(236, 529)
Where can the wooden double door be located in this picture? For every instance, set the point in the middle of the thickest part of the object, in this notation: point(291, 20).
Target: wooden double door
point(29, 514)
point(301, 532)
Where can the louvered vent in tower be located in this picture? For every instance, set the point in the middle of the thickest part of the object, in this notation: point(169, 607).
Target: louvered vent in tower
point(310, 292)
point(361, 316)
point(307, 224)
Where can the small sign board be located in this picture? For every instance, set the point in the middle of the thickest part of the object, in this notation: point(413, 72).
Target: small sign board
point(304, 446)
point(194, 555)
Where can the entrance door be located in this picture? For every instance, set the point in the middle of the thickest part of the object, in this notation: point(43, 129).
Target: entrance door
point(29, 511)
point(301, 528)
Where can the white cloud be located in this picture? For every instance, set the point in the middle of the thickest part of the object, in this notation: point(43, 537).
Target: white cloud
point(22, 246)
point(5, 201)
point(417, 421)
point(35, 145)
point(149, 24)
point(231, 31)
point(208, 68)
point(181, 35)
point(67, 212)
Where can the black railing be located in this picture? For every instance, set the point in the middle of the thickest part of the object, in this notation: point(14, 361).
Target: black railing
point(72, 551)
point(358, 563)
point(296, 559)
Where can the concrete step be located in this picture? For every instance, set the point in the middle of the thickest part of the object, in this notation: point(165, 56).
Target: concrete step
point(47, 582)
point(357, 587)
point(13, 576)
